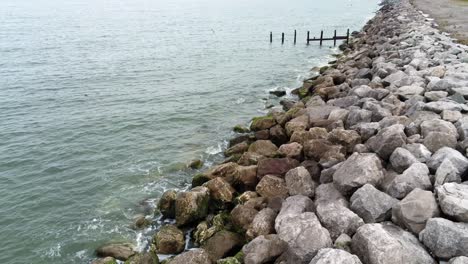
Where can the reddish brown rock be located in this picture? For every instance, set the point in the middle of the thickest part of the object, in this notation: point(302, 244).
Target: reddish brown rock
point(275, 166)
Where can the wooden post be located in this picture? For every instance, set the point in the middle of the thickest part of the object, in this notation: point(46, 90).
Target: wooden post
point(308, 33)
point(295, 33)
point(347, 37)
point(282, 38)
point(271, 37)
point(334, 39)
point(321, 37)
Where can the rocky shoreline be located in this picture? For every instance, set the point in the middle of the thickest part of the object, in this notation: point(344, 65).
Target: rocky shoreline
point(368, 166)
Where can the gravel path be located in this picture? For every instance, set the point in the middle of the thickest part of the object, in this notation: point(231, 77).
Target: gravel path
point(451, 15)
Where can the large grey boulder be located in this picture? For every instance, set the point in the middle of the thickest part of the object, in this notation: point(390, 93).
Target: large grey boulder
point(357, 116)
point(386, 243)
point(292, 206)
point(444, 238)
point(304, 235)
point(453, 200)
point(330, 255)
point(195, 256)
point(447, 172)
point(416, 176)
point(263, 223)
point(338, 219)
point(438, 125)
point(387, 140)
point(415, 209)
point(372, 205)
point(437, 140)
point(459, 260)
point(358, 170)
point(419, 151)
point(401, 159)
point(327, 193)
point(263, 249)
point(299, 181)
point(439, 106)
point(462, 127)
point(457, 159)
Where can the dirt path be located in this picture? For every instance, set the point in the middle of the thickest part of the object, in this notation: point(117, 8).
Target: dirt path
point(451, 15)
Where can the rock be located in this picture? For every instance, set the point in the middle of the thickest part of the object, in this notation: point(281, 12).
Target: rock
point(299, 181)
point(107, 260)
point(278, 135)
point(242, 216)
point(117, 251)
point(451, 116)
point(462, 127)
point(338, 219)
point(237, 149)
point(166, 204)
point(247, 176)
point(278, 92)
point(275, 166)
point(372, 205)
point(358, 170)
point(271, 186)
point(409, 91)
point(264, 147)
point(329, 255)
point(262, 134)
point(357, 116)
point(401, 159)
point(457, 159)
point(263, 249)
point(438, 125)
point(228, 171)
point(140, 221)
point(262, 224)
point(387, 140)
point(339, 114)
point(292, 150)
point(435, 95)
point(304, 235)
point(169, 240)
point(387, 243)
point(416, 176)
point(196, 164)
point(317, 148)
point(297, 124)
point(343, 242)
point(437, 140)
point(293, 206)
point(447, 172)
point(459, 260)
point(419, 151)
point(220, 190)
point(439, 106)
point(444, 238)
point(192, 205)
point(261, 123)
point(414, 210)
point(366, 130)
point(194, 256)
point(453, 200)
point(327, 193)
point(223, 242)
point(346, 138)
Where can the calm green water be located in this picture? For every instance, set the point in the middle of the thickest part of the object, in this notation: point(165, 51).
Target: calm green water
point(103, 102)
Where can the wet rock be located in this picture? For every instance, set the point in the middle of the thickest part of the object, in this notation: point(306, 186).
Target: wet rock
point(329, 255)
point(263, 223)
point(275, 166)
point(292, 150)
point(237, 149)
point(117, 251)
point(358, 170)
point(444, 238)
point(243, 215)
point(372, 205)
point(192, 205)
point(419, 151)
point(261, 123)
point(265, 148)
point(228, 171)
point(166, 204)
point(304, 235)
point(401, 159)
point(347, 138)
point(278, 92)
point(222, 243)
point(453, 200)
point(271, 186)
point(387, 140)
point(299, 181)
point(338, 219)
point(263, 249)
point(194, 256)
point(416, 176)
point(414, 210)
point(140, 221)
point(249, 158)
point(196, 164)
point(220, 190)
point(393, 243)
point(169, 240)
point(143, 258)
